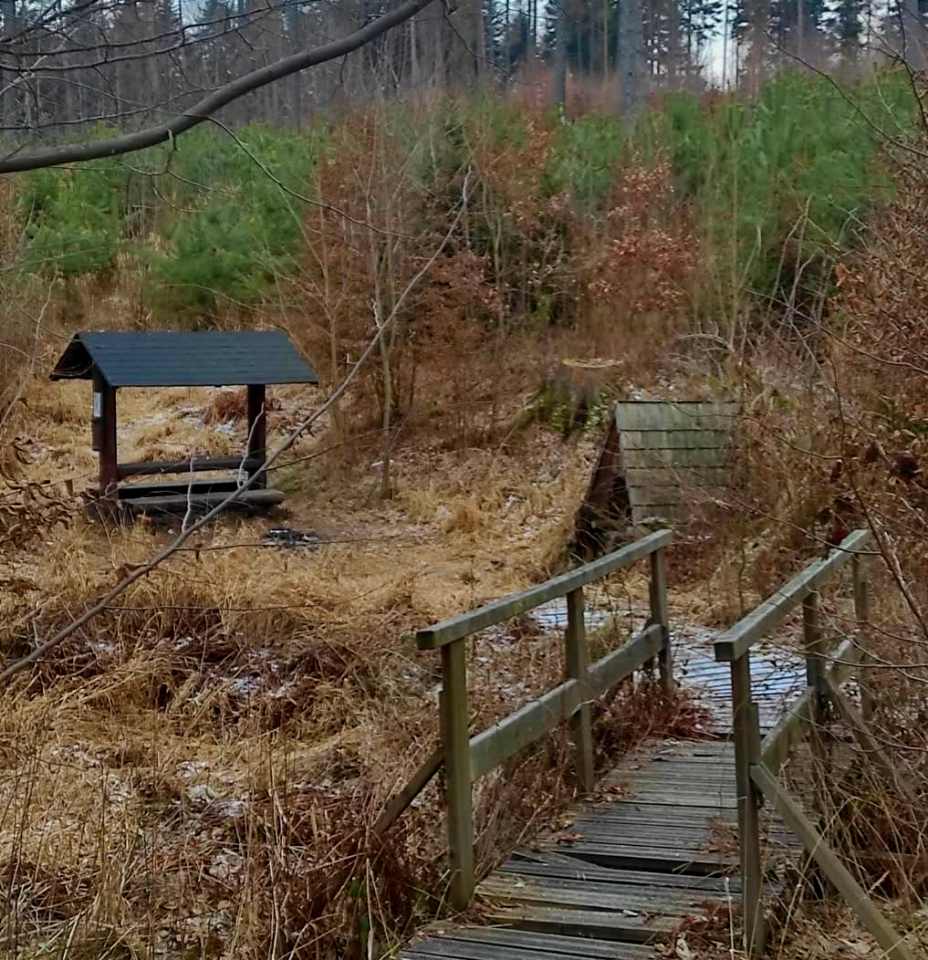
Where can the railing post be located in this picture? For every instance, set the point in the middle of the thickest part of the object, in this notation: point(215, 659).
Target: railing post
point(660, 615)
point(812, 642)
point(862, 613)
point(455, 722)
point(815, 678)
point(577, 663)
point(747, 752)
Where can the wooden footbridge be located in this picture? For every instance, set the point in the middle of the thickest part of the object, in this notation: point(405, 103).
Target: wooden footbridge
point(689, 830)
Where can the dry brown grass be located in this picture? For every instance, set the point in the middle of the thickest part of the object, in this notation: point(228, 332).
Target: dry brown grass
point(197, 772)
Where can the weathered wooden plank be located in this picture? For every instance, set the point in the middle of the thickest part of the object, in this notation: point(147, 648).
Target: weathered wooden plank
point(696, 843)
point(667, 859)
point(692, 439)
point(757, 624)
point(679, 415)
point(667, 514)
point(675, 818)
point(151, 468)
point(571, 946)
point(603, 925)
point(679, 459)
point(606, 672)
point(644, 496)
point(657, 810)
point(499, 742)
point(173, 503)
point(589, 894)
point(507, 938)
point(569, 867)
point(512, 606)
point(817, 847)
point(698, 834)
point(452, 949)
point(711, 478)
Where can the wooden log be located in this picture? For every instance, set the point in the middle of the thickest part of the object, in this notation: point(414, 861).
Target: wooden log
point(455, 628)
point(456, 748)
point(816, 846)
point(747, 752)
point(760, 621)
point(577, 668)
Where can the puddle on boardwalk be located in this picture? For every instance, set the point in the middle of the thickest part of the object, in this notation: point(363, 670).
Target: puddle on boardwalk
point(778, 675)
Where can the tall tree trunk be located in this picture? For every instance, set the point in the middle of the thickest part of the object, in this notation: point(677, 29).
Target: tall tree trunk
point(631, 54)
point(914, 35)
point(758, 11)
point(560, 66)
point(801, 29)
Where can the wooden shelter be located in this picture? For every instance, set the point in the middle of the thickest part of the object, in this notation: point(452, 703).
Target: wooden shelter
point(660, 459)
point(253, 359)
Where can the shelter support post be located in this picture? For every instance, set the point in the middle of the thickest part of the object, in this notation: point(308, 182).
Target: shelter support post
point(257, 431)
point(104, 434)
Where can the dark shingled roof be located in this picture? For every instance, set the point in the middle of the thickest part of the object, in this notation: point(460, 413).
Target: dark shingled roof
point(179, 359)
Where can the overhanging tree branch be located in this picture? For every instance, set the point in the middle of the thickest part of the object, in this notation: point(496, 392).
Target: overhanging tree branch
point(203, 109)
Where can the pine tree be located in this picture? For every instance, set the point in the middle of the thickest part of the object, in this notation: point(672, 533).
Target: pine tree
point(847, 25)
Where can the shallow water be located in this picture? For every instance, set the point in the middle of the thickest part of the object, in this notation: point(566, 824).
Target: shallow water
point(778, 674)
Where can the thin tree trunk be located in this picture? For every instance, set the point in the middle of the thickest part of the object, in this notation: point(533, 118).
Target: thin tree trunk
point(914, 35)
point(631, 54)
point(560, 68)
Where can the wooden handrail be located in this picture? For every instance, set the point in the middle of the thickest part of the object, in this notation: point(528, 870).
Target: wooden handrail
point(737, 640)
point(431, 638)
point(469, 758)
point(757, 764)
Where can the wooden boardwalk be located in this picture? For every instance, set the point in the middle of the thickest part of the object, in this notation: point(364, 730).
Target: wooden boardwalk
point(681, 821)
point(624, 875)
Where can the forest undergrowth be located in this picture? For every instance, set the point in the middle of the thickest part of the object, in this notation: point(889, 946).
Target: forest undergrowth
point(197, 772)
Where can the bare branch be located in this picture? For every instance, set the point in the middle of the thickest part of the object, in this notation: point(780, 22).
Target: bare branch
point(205, 108)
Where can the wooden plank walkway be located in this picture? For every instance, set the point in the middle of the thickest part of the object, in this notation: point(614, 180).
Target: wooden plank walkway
point(624, 875)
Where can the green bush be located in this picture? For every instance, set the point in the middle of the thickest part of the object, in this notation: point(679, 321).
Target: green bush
point(238, 227)
point(795, 168)
point(584, 160)
point(73, 219)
